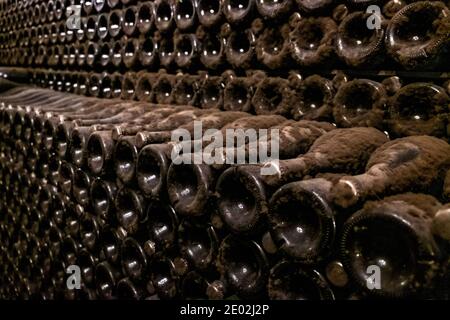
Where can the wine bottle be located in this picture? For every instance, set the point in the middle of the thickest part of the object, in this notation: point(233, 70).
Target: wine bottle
point(162, 90)
point(360, 102)
point(291, 281)
point(111, 240)
point(127, 290)
point(210, 92)
point(130, 208)
point(185, 88)
point(273, 96)
point(89, 233)
point(238, 93)
point(102, 194)
point(304, 205)
point(441, 222)
point(80, 187)
point(243, 191)
point(315, 97)
point(164, 16)
point(106, 278)
point(159, 232)
point(190, 185)
point(272, 9)
point(412, 163)
point(129, 86)
point(238, 12)
point(417, 36)
point(212, 54)
point(418, 109)
point(100, 5)
point(130, 21)
point(311, 6)
point(194, 286)
point(69, 250)
point(240, 48)
point(154, 159)
point(312, 40)
point(198, 244)
point(273, 46)
point(187, 49)
point(244, 266)
point(146, 17)
point(115, 22)
point(130, 52)
point(166, 53)
point(148, 52)
point(391, 239)
point(209, 12)
point(185, 14)
point(357, 44)
point(116, 52)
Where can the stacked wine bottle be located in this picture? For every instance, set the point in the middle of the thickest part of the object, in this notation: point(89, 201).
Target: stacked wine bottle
point(358, 206)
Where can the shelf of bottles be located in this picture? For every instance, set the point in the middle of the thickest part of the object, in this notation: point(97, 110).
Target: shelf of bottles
point(92, 92)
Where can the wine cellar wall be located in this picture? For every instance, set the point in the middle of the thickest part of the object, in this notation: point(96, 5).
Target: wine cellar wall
point(350, 97)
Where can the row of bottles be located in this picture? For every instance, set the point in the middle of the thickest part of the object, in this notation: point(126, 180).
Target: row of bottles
point(90, 182)
point(395, 105)
point(411, 36)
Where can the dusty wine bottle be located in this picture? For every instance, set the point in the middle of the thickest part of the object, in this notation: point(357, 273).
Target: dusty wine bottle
point(418, 109)
point(209, 12)
point(212, 54)
point(130, 20)
point(314, 98)
point(166, 53)
point(273, 46)
point(360, 46)
point(187, 49)
point(243, 190)
point(240, 48)
point(360, 102)
point(185, 15)
point(190, 186)
point(164, 15)
point(238, 93)
point(162, 90)
point(304, 205)
point(238, 11)
point(185, 89)
point(311, 41)
point(418, 35)
point(210, 93)
point(146, 17)
point(273, 96)
point(392, 236)
point(292, 281)
point(148, 52)
point(244, 265)
point(413, 163)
